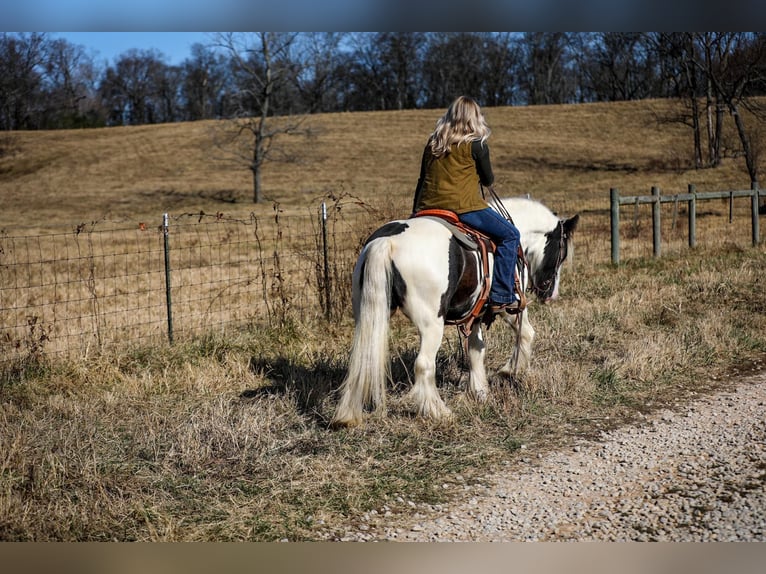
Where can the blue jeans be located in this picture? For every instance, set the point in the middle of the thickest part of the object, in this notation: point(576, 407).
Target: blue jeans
point(506, 237)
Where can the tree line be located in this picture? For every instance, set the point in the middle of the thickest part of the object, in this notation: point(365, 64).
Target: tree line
point(50, 83)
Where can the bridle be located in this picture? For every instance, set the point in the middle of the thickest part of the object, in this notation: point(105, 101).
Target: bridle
point(545, 285)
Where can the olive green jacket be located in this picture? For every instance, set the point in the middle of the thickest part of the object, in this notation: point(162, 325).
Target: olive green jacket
point(453, 180)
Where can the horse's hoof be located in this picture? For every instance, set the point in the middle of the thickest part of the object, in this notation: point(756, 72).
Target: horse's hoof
point(512, 373)
point(444, 417)
point(338, 424)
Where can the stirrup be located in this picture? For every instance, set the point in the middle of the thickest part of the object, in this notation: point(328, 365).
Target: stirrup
point(522, 300)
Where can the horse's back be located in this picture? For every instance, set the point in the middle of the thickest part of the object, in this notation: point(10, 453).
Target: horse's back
point(416, 235)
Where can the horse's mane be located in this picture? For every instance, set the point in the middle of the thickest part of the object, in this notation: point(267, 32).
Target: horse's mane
point(530, 215)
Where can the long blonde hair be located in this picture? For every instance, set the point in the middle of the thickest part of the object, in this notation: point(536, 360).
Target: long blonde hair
point(462, 122)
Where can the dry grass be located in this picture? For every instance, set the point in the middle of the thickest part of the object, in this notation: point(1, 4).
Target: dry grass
point(224, 437)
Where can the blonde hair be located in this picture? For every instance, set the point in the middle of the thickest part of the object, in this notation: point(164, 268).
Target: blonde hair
point(462, 122)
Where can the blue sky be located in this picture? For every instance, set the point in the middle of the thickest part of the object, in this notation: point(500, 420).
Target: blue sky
point(108, 45)
point(186, 15)
point(338, 15)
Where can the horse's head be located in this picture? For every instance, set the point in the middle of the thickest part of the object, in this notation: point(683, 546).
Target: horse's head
point(546, 240)
point(546, 252)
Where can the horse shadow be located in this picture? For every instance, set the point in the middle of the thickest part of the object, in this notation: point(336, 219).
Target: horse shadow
point(314, 389)
point(309, 386)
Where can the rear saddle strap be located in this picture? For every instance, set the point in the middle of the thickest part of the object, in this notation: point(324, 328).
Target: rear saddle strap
point(484, 245)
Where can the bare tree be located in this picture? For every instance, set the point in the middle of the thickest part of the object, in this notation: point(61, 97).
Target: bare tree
point(383, 71)
point(501, 66)
point(735, 63)
point(263, 67)
point(547, 77)
point(320, 82)
point(400, 59)
point(22, 58)
point(132, 89)
point(621, 66)
point(676, 53)
point(69, 85)
point(453, 66)
point(168, 82)
point(205, 84)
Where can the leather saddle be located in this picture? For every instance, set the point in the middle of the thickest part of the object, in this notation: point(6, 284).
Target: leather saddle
point(473, 241)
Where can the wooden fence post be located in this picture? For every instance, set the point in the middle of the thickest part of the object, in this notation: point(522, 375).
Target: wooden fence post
point(692, 216)
point(614, 199)
point(656, 229)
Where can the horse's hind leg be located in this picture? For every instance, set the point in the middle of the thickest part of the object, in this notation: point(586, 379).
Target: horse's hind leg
point(477, 377)
point(424, 394)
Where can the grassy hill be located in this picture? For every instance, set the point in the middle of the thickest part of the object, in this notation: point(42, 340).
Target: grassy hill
point(568, 156)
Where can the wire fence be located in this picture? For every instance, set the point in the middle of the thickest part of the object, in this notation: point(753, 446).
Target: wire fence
point(101, 285)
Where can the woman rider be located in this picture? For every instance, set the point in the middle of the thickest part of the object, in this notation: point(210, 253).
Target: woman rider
point(454, 166)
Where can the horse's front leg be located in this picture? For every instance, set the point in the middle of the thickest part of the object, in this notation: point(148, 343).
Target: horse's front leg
point(522, 351)
point(477, 376)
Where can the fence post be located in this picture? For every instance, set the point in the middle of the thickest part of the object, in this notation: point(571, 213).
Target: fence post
point(614, 200)
point(754, 201)
point(326, 263)
point(693, 216)
point(656, 229)
point(167, 276)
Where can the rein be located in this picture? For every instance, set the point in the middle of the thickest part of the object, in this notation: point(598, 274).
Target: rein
point(497, 205)
point(494, 201)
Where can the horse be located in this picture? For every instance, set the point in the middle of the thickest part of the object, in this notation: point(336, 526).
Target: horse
point(419, 266)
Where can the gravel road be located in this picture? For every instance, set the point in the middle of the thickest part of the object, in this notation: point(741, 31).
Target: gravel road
point(694, 474)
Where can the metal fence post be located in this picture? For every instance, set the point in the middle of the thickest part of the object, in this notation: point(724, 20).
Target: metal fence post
point(326, 262)
point(167, 276)
point(656, 229)
point(614, 199)
point(754, 201)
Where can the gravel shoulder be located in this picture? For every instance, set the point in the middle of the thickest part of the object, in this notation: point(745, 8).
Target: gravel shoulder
point(694, 474)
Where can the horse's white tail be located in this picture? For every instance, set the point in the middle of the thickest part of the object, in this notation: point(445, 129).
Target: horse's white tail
point(365, 382)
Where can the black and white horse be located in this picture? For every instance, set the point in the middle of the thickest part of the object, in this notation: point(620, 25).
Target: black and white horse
point(417, 265)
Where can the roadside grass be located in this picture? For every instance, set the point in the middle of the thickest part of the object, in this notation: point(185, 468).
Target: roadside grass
point(226, 438)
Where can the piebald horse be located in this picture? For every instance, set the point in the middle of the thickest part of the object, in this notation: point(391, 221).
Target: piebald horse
point(419, 266)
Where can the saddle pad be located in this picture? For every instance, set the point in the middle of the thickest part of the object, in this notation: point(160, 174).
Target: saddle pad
point(461, 237)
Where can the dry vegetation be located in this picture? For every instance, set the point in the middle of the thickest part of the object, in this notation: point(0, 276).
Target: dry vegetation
point(224, 437)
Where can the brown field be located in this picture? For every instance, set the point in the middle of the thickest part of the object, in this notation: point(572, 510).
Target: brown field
point(568, 156)
point(223, 436)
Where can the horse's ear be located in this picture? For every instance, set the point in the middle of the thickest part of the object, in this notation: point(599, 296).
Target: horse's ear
point(571, 224)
